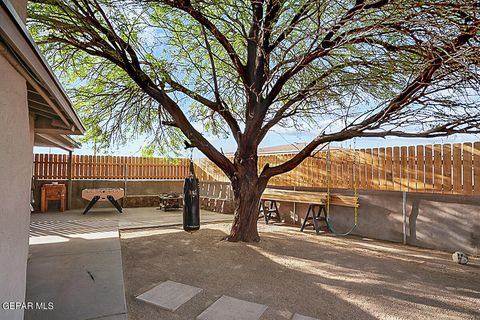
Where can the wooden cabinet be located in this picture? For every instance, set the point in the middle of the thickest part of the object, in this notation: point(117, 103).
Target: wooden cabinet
point(52, 192)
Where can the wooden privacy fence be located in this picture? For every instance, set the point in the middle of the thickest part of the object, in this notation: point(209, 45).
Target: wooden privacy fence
point(56, 166)
point(445, 169)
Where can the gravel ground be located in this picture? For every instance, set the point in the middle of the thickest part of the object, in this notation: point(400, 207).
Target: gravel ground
point(324, 277)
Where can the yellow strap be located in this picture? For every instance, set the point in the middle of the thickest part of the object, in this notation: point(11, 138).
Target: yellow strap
point(328, 181)
point(355, 208)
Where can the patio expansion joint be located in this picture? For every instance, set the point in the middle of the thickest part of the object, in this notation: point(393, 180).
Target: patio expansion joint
point(34, 257)
point(107, 316)
point(156, 225)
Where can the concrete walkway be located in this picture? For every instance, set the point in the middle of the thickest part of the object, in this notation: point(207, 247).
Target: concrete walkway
point(76, 261)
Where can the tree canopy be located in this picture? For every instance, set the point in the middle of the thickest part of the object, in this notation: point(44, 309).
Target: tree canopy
point(326, 66)
point(343, 68)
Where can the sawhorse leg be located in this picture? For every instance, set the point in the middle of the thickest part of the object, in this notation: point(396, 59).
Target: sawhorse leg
point(319, 218)
point(261, 209)
point(115, 203)
point(91, 204)
point(267, 211)
point(273, 209)
point(306, 218)
point(316, 216)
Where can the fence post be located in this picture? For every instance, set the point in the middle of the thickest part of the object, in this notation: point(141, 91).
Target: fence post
point(125, 174)
point(295, 206)
point(404, 220)
point(70, 184)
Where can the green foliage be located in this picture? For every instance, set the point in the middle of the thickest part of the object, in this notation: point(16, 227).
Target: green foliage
point(113, 108)
point(377, 53)
point(148, 151)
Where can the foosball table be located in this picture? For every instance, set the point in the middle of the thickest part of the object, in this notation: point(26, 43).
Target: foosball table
point(103, 194)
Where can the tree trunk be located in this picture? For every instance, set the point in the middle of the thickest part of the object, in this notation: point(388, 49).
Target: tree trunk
point(246, 193)
point(247, 190)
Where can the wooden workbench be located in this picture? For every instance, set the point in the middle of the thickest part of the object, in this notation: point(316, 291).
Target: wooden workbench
point(309, 197)
point(317, 202)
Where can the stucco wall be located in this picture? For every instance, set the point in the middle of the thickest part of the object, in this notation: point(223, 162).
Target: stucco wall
point(15, 173)
point(433, 221)
point(445, 222)
point(133, 187)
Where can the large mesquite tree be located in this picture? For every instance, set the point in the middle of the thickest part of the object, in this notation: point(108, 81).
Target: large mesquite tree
point(340, 68)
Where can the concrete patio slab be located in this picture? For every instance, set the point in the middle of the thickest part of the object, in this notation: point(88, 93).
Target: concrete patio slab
point(228, 308)
point(80, 285)
point(76, 263)
point(130, 218)
point(169, 295)
point(297, 316)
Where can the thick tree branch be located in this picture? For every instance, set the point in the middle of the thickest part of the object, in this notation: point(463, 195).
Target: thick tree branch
point(212, 105)
point(302, 94)
point(404, 98)
point(271, 17)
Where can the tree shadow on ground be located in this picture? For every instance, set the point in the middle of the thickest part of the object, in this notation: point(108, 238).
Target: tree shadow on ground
point(321, 277)
point(387, 271)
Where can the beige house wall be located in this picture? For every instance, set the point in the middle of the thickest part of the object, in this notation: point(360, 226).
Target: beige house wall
point(16, 128)
point(17, 132)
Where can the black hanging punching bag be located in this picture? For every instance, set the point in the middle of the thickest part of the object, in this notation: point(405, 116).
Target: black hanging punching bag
point(191, 202)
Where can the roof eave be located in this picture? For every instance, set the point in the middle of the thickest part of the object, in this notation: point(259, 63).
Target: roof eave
point(16, 36)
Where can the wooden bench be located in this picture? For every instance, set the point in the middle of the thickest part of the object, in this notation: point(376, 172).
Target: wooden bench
point(216, 196)
point(317, 202)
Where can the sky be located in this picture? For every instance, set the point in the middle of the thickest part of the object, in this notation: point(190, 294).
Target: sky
point(277, 138)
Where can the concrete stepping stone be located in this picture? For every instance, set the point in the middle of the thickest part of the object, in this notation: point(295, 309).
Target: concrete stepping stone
point(297, 316)
point(228, 308)
point(169, 295)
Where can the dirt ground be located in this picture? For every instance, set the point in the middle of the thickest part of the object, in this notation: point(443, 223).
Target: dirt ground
point(325, 277)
